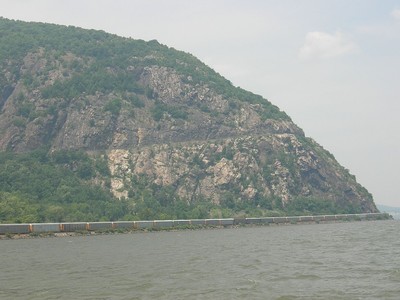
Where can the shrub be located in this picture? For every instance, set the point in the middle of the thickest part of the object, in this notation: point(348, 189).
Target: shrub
point(113, 106)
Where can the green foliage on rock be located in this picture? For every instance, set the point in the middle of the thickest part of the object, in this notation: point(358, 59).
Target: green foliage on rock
point(175, 112)
point(113, 106)
point(36, 187)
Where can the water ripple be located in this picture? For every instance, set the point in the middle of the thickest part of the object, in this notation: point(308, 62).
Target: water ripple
point(356, 260)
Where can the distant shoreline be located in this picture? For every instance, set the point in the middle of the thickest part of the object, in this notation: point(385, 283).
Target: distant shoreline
point(393, 211)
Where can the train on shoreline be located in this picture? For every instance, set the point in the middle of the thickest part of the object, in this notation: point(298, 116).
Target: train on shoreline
point(28, 228)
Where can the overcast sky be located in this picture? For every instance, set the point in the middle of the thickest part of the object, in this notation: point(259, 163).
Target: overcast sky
point(332, 65)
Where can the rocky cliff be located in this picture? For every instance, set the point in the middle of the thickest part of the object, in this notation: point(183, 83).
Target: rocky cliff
point(160, 118)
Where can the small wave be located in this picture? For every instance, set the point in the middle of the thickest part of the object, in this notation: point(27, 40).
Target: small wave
point(307, 277)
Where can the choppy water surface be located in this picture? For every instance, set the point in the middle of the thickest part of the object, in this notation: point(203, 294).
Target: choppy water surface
point(359, 260)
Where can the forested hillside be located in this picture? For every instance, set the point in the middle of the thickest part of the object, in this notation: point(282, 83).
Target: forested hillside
point(99, 127)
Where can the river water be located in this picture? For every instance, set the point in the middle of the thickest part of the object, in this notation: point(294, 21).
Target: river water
point(357, 260)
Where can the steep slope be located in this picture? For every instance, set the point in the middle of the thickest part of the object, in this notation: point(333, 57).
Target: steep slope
point(163, 121)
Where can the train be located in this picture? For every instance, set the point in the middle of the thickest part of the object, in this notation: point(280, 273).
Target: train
point(28, 228)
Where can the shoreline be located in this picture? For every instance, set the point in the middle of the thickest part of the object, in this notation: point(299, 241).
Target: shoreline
point(48, 230)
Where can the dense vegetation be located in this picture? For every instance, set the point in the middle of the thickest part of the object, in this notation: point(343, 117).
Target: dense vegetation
point(36, 187)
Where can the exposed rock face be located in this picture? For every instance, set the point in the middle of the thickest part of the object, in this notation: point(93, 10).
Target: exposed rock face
point(28, 119)
point(203, 139)
point(250, 166)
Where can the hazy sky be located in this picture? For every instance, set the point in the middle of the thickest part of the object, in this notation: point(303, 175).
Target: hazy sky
point(332, 65)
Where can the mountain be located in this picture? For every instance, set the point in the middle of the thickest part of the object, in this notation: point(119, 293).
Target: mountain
point(153, 130)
